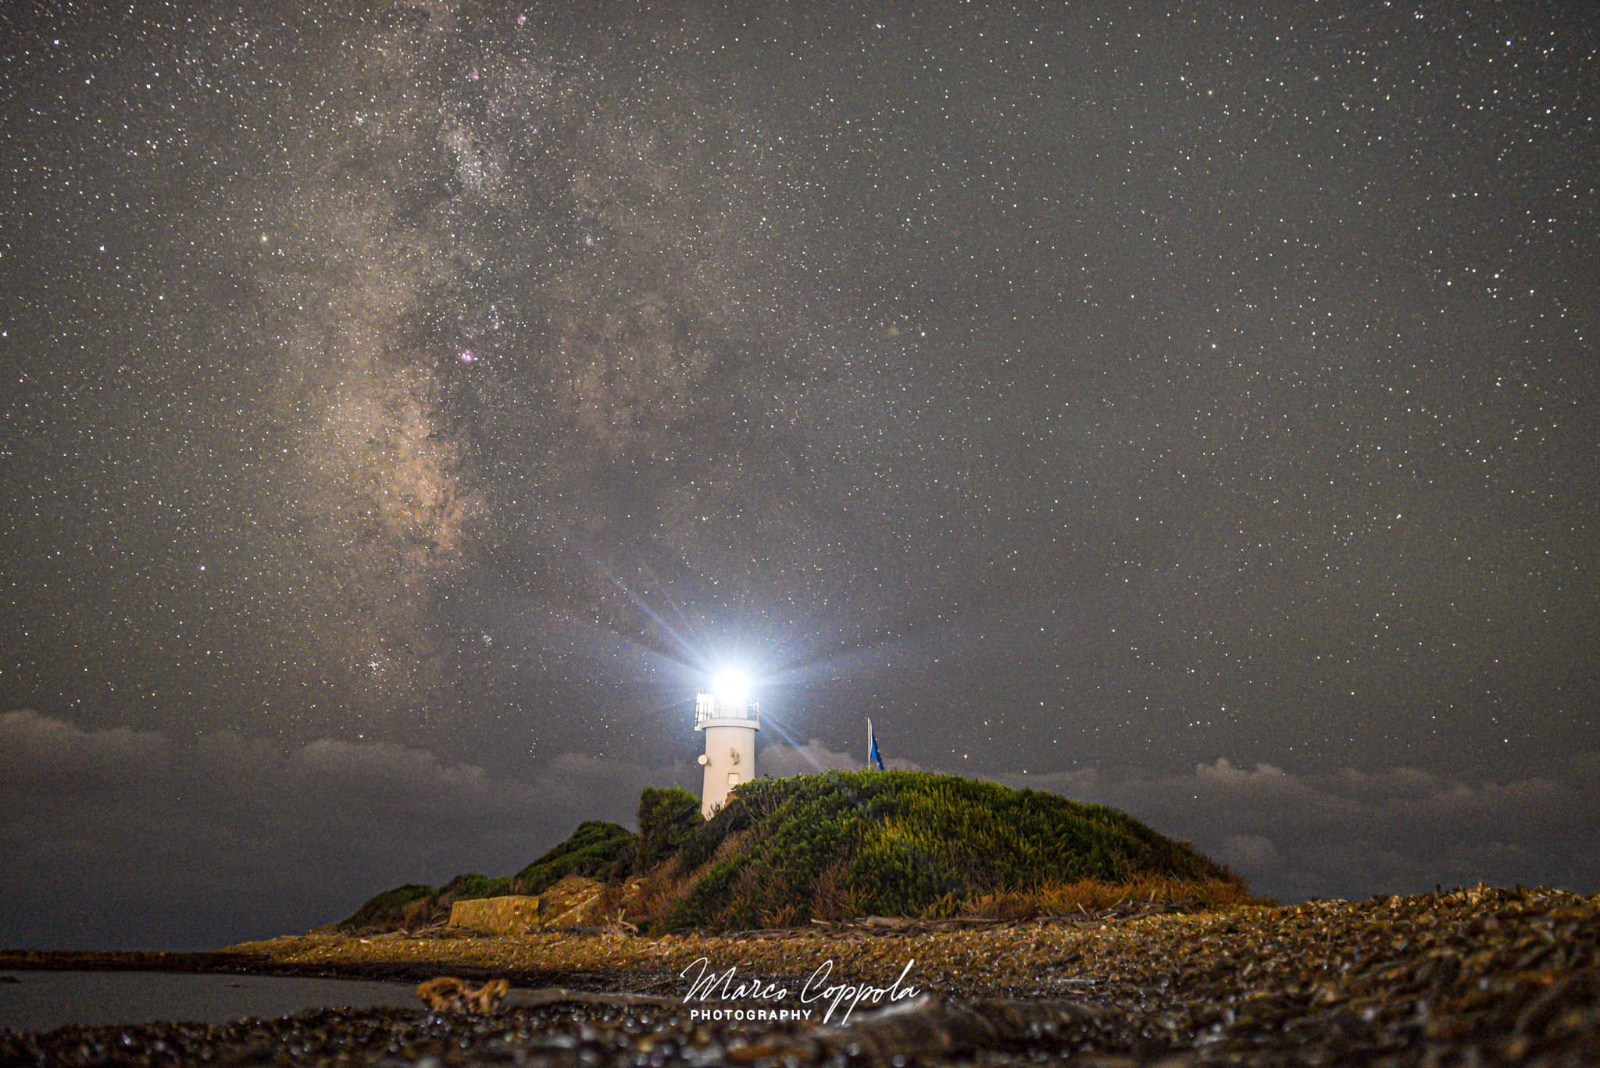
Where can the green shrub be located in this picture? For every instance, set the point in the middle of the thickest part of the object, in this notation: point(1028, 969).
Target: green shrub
point(387, 905)
point(596, 850)
point(667, 817)
point(472, 885)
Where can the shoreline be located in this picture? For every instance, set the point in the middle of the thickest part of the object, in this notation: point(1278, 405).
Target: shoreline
point(228, 962)
point(1484, 975)
point(323, 954)
point(185, 962)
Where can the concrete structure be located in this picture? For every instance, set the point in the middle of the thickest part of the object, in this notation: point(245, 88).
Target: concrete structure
point(517, 914)
point(730, 720)
point(573, 902)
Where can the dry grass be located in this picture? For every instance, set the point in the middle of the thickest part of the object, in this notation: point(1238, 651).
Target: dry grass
point(1092, 895)
point(835, 898)
point(652, 900)
point(648, 902)
point(657, 894)
point(668, 886)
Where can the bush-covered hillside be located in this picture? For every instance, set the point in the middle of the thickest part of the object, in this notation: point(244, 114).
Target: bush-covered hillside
point(844, 844)
point(906, 843)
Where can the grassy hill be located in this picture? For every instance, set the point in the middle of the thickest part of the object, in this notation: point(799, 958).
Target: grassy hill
point(846, 844)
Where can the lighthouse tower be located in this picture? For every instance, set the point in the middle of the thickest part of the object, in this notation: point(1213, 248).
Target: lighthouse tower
point(730, 720)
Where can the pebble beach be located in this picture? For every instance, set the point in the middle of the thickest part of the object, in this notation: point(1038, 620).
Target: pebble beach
point(1474, 976)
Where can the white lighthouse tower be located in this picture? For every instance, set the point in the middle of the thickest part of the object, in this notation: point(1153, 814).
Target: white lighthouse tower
point(730, 720)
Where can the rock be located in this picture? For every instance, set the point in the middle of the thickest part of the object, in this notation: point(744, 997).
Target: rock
point(516, 914)
point(573, 902)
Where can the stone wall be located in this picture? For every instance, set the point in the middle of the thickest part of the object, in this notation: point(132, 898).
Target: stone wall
point(572, 902)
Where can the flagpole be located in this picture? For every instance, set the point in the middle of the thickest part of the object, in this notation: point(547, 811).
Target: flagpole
point(869, 743)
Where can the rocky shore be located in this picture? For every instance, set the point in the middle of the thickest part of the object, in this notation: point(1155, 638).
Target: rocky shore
point(1480, 976)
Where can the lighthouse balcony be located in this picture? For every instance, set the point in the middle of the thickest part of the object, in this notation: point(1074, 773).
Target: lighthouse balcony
point(710, 712)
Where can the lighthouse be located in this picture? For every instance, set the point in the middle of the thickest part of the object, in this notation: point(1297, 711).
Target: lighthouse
point(730, 720)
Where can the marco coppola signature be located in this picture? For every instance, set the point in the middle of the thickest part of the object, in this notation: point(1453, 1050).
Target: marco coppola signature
point(707, 984)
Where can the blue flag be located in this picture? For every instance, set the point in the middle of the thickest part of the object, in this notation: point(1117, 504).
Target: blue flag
point(873, 756)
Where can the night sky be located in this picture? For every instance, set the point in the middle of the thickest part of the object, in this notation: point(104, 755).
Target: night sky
point(406, 406)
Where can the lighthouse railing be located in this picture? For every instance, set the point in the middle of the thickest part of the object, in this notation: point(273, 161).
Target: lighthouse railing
point(706, 710)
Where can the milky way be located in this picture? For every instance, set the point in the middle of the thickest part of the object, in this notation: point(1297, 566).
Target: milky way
point(1058, 388)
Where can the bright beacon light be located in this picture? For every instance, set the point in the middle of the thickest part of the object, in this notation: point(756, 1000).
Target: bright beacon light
point(730, 722)
point(732, 688)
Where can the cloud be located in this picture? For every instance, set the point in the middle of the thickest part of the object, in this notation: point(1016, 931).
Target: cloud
point(1249, 852)
point(121, 838)
point(42, 754)
point(1352, 833)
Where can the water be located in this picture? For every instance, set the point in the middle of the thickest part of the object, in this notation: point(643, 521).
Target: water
point(38, 1001)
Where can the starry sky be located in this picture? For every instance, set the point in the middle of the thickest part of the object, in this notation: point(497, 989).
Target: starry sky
point(1191, 407)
